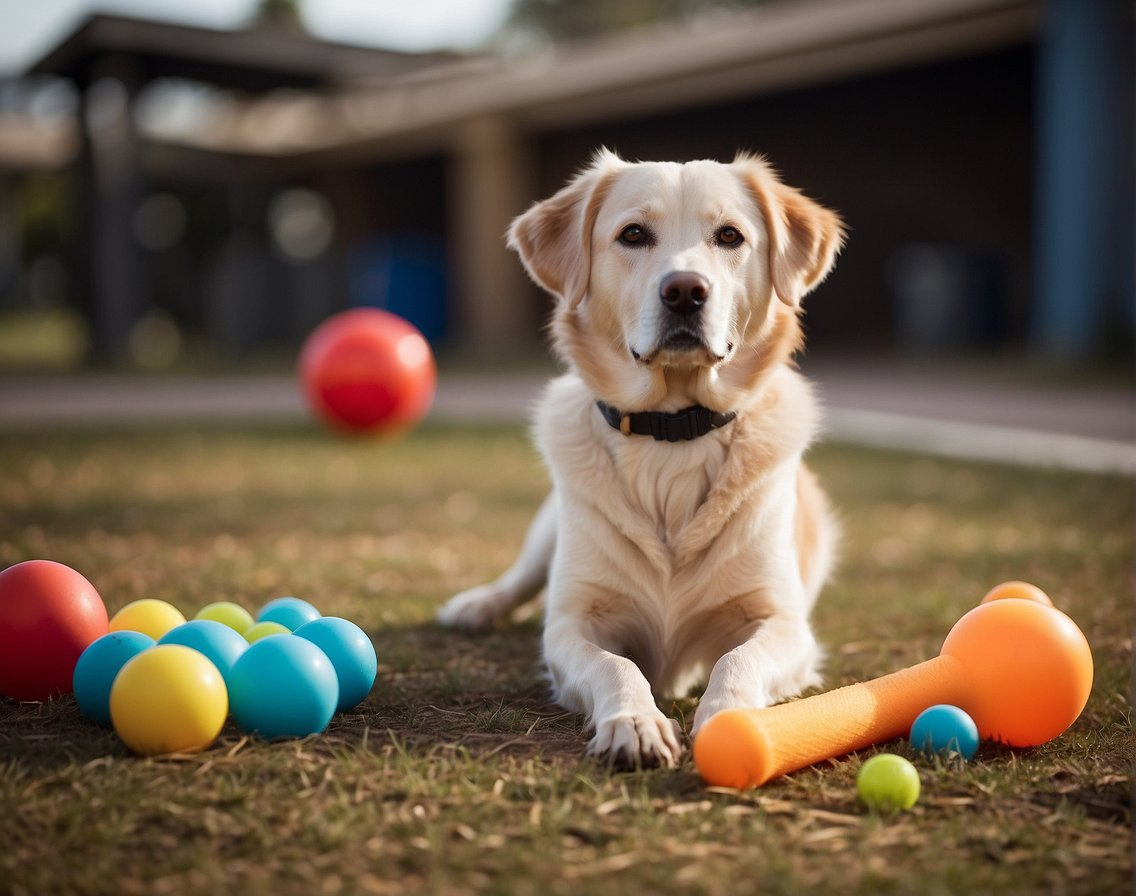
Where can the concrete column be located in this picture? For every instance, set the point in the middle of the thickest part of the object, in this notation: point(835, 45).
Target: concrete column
point(110, 185)
point(491, 305)
point(1083, 272)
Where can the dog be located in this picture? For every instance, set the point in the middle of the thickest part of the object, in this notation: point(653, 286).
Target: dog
point(685, 541)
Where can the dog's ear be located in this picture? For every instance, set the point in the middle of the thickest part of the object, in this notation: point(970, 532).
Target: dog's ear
point(554, 237)
point(804, 236)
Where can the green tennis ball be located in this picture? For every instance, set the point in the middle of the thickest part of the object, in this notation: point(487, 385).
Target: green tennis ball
point(888, 783)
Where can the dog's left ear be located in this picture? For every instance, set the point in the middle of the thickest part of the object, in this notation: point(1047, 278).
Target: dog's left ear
point(554, 237)
point(804, 236)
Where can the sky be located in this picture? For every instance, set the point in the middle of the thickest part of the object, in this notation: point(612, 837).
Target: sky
point(28, 28)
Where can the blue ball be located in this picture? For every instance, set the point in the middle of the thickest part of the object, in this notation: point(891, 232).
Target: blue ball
point(945, 729)
point(290, 612)
point(97, 668)
point(220, 644)
point(283, 687)
point(351, 653)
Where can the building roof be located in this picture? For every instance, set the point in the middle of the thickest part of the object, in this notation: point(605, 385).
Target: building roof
point(776, 46)
point(373, 104)
point(254, 59)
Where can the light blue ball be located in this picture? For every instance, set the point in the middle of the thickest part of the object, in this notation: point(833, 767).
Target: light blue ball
point(283, 687)
point(945, 729)
point(290, 612)
point(219, 643)
point(97, 667)
point(351, 653)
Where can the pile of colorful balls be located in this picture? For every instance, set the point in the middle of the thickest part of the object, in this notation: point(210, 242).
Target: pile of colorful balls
point(168, 685)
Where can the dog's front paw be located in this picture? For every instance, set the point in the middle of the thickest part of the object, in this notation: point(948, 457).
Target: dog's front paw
point(631, 740)
point(476, 609)
point(710, 705)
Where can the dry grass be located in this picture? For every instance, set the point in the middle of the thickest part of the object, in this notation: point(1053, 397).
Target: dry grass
point(456, 775)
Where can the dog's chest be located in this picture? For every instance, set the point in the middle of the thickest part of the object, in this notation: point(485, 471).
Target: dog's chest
point(665, 484)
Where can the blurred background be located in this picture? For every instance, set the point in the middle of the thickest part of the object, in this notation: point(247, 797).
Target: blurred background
point(202, 181)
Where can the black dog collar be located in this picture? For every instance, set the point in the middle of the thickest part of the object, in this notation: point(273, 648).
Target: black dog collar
point(681, 426)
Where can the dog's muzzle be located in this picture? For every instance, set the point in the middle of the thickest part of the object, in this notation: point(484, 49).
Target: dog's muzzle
point(683, 295)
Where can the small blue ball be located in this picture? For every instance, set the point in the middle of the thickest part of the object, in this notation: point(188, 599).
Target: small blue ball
point(97, 668)
point(219, 643)
point(351, 653)
point(283, 687)
point(945, 729)
point(290, 612)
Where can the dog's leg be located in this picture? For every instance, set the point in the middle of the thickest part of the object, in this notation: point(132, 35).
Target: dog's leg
point(630, 730)
point(480, 607)
point(780, 660)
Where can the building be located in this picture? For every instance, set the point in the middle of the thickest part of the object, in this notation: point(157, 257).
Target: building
point(979, 150)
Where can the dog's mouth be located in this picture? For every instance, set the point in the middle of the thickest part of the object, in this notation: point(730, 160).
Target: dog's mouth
point(682, 339)
point(683, 345)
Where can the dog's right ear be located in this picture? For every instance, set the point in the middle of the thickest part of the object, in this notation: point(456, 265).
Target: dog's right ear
point(554, 237)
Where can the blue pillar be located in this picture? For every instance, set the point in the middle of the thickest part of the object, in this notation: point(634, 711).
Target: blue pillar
point(1083, 270)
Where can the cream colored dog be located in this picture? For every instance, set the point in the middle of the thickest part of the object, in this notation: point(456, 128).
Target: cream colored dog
point(684, 538)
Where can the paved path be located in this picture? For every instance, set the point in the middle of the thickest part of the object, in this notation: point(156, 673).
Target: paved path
point(944, 411)
point(958, 413)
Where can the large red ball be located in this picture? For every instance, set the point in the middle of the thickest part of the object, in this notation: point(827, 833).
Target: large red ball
point(368, 370)
point(48, 615)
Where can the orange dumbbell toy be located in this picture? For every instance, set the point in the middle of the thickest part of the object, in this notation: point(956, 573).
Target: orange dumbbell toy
point(1021, 669)
point(1024, 590)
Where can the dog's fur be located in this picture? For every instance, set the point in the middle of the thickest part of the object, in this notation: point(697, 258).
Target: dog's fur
point(670, 562)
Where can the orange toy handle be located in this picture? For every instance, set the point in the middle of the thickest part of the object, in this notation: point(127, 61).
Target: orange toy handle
point(746, 747)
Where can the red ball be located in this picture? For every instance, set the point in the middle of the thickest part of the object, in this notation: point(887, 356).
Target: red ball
point(367, 370)
point(48, 615)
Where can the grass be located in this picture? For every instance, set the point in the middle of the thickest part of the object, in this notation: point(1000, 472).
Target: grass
point(456, 774)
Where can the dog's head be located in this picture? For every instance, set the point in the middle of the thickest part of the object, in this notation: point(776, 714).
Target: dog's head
point(676, 283)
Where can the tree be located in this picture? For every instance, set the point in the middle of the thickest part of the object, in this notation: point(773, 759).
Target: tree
point(279, 14)
point(570, 19)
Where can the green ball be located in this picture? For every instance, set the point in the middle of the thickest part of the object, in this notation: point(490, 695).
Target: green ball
point(888, 783)
point(227, 613)
point(265, 630)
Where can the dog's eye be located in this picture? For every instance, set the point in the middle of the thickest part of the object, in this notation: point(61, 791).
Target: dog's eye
point(634, 235)
point(729, 236)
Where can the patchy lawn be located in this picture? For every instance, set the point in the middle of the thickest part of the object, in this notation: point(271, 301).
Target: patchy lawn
point(456, 774)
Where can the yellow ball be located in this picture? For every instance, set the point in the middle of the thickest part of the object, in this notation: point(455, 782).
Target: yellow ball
point(168, 699)
point(149, 616)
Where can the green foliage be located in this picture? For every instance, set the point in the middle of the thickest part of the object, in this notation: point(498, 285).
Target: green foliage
point(569, 19)
point(42, 211)
point(280, 13)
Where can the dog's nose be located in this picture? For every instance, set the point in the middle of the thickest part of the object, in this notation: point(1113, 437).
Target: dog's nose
point(684, 292)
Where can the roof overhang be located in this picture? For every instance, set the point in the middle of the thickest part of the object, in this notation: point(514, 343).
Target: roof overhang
point(251, 59)
point(397, 105)
point(774, 47)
